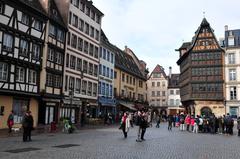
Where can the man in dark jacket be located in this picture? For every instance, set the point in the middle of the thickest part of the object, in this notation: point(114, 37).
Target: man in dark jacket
point(143, 124)
point(30, 125)
point(27, 124)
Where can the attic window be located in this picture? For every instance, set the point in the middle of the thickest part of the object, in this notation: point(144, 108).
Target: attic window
point(231, 41)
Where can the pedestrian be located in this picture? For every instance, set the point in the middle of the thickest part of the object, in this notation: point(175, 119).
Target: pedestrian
point(196, 124)
point(158, 121)
point(200, 125)
point(30, 126)
point(125, 124)
point(26, 126)
point(220, 125)
point(188, 121)
point(131, 119)
point(170, 122)
point(182, 127)
point(174, 120)
point(192, 122)
point(138, 123)
point(144, 124)
point(177, 120)
point(238, 126)
point(10, 122)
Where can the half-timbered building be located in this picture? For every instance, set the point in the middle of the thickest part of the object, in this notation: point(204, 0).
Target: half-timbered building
point(53, 65)
point(201, 73)
point(22, 34)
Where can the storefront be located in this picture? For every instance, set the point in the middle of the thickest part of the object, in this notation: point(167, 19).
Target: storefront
point(71, 109)
point(48, 111)
point(106, 105)
point(19, 105)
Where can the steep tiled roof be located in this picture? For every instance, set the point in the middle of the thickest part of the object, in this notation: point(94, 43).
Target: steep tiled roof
point(159, 69)
point(126, 63)
point(185, 45)
point(203, 24)
point(35, 4)
point(57, 18)
point(173, 81)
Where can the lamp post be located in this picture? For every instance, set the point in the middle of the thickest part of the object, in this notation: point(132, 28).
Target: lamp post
point(71, 94)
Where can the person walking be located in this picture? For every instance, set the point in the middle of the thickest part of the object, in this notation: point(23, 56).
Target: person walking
point(158, 121)
point(10, 122)
point(170, 122)
point(181, 119)
point(238, 126)
point(125, 124)
point(144, 124)
point(138, 123)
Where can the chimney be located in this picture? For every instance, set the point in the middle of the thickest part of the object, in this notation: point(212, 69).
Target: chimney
point(226, 27)
point(170, 72)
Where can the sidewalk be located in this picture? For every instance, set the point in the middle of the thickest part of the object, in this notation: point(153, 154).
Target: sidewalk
point(44, 129)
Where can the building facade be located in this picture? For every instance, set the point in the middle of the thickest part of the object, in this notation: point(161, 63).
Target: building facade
point(158, 90)
point(22, 30)
point(106, 98)
point(81, 59)
point(174, 100)
point(51, 85)
point(202, 73)
point(129, 83)
point(232, 68)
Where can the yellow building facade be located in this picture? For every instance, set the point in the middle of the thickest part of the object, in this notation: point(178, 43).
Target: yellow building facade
point(9, 103)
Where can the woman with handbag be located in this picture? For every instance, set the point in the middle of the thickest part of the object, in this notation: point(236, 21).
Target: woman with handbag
point(10, 122)
point(125, 124)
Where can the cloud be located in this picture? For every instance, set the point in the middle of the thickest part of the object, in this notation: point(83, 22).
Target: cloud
point(153, 29)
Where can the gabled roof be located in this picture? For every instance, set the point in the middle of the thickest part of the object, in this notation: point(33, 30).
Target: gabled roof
point(35, 4)
point(185, 45)
point(204, 24)
point(173, 81)
point(56, 18)
point(104, 37)
point(159, 69)
point(125, 62)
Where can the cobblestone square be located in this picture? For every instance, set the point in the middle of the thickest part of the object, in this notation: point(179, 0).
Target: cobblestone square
point(109, 143)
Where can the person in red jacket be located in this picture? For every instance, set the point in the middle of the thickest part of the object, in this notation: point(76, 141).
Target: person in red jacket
point(188, 121)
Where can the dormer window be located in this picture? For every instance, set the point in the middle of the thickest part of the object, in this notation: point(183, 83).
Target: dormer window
point(88, 11)
point(82, 7)
point(231, 41)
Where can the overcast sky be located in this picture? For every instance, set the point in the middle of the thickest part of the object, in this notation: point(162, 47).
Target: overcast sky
point(153, 29)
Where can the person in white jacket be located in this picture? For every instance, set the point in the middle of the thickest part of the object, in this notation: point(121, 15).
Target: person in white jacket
point(125, 124)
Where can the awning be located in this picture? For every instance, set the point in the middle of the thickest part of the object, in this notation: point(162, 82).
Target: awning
point(128, 105)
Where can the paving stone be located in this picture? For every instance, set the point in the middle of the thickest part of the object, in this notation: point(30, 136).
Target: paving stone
point(109, 143)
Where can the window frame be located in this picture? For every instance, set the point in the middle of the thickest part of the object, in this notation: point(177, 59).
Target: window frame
point(3, 71)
